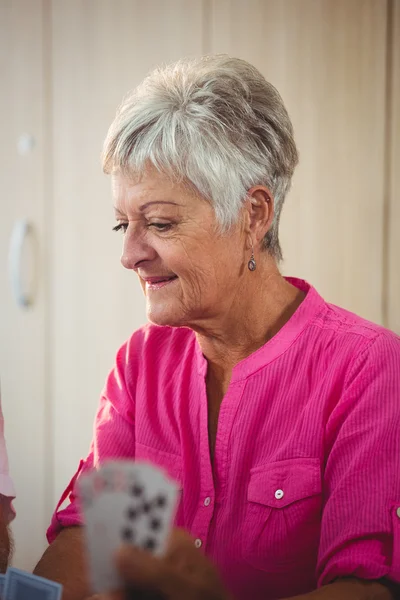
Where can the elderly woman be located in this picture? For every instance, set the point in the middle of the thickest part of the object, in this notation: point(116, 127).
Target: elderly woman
point(277, 412)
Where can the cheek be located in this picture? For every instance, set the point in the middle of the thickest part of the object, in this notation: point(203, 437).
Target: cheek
point(204, 266)
point(142, 284)
point(178, 256)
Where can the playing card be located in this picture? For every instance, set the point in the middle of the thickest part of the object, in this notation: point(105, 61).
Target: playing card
point(102, 510)
point(150, 510)
point(20, 585)
point(124, 502)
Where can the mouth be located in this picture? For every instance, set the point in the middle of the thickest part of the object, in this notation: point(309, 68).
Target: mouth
point(156, 283)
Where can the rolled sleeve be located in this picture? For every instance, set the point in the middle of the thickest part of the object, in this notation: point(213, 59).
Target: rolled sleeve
point(7, 490)
point(360, 529)
point(6, 486)
point(113, 436)
point(69, 516)
point(7, 495)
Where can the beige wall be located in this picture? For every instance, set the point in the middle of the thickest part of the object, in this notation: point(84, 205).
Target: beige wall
point(66, 66)
point(23, 332)
point(328, 60)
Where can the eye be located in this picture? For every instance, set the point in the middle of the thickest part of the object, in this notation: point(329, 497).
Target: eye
point(161, 226)
point(121, 227)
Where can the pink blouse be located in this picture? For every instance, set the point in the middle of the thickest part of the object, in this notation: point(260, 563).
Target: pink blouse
point(306, 484)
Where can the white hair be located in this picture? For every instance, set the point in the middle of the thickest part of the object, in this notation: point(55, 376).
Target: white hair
point(214, 123)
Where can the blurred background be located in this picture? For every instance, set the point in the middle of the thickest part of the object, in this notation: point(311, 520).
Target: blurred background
point(66, 302)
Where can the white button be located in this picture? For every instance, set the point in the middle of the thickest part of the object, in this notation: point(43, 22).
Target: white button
point(279, 494)
point(207, 501)
point(198, 543)
point(398, 512)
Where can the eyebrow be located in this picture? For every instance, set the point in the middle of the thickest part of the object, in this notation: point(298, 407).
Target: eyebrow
point(144, 206)
point(147, 204)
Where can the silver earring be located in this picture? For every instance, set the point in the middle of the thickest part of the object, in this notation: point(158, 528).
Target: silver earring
point(252, 262)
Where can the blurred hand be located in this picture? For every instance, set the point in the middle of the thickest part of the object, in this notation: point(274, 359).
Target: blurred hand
point(183, 573)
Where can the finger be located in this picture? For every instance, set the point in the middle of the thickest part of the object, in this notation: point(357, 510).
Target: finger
point(180, 537)
point(139, 568)
point(142, 570)
point(181, 551)
point(110, 596)
point(197, 570)
point(183, 554)
point(130, 594)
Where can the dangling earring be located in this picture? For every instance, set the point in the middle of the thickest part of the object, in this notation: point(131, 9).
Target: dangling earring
point(252, 262)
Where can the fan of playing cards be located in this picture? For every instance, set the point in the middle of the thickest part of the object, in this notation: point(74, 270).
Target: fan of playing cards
point(19, 585)
point(124, 503)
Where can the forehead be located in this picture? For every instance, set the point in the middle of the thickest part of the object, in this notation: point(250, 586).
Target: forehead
point(149, 186)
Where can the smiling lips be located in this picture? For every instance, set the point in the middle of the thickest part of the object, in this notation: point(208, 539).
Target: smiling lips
point(155, 283)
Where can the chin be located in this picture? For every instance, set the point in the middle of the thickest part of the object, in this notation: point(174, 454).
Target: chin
point(164, 318)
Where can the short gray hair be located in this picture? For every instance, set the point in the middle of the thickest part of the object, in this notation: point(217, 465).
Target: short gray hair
point(214, 123)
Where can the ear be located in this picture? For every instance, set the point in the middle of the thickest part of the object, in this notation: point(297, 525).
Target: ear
point(260, 209)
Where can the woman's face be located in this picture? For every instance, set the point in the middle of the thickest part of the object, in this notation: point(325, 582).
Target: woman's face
point(189, 272)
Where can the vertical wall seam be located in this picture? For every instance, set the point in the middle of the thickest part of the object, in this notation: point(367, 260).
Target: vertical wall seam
point(387, 169)
point(48, 242)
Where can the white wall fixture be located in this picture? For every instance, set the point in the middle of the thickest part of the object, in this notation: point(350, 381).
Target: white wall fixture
point(22, 263)
point(25, 144)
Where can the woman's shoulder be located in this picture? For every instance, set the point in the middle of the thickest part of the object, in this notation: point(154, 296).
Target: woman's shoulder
point(356, 338)
point(337, 331)
point(347, 323)
point(151, 341)
point(155, 351)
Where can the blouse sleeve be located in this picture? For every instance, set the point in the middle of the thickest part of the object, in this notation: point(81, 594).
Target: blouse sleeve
point(113, 435)
point(360, 534)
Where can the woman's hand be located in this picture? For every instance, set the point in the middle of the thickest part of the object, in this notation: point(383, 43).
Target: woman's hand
point(183, 573)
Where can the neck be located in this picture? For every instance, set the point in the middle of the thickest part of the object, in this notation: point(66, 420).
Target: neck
point(253, 316)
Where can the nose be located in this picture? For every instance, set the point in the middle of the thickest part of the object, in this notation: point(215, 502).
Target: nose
point(135, 250)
